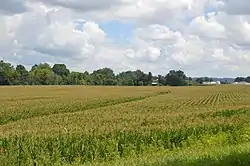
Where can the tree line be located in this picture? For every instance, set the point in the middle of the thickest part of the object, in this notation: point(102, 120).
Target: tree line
point(59, 74)
point(242, 79)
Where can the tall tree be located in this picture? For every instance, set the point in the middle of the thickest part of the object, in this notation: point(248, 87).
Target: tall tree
point(41, 74)
point(141, 78)
point(77, 78)
point(7, 74)
point(61, 70)
point(176, 78)
point(150, 78)
point(34, 67)
point(104, 76)
point(127, 78)
point(161, 80)
point(23, 75)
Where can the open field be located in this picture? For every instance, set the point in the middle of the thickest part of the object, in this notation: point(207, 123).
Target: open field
point(78, 125)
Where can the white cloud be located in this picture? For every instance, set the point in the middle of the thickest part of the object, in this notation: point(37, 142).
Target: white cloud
point(237, 28)
point(178, 34)
point(148, 54)
point(51, 33)
point(208, 28)
point(156, 32)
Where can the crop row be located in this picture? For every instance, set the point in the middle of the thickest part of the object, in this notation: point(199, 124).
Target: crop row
point(27, 150)
point(57, 108)
point(126, 117)
point(80, 127)
point(214, 99)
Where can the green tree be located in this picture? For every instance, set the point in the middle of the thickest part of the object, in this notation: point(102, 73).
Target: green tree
point(199, 80)
point(58, 80)
point(8, 75)
point(61, 70)
point(22, 74)
point(41, 74)
point(150, 78)
point(104, 76)
point(206, 79)
point(240, 79)
point(77, 78)
point(141, 78)
point(176, 78)
point(127, 78)
point(161, 80)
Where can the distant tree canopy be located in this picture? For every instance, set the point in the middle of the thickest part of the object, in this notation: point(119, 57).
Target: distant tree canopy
point(242, 79)
point(200, 80)
point(59, 74)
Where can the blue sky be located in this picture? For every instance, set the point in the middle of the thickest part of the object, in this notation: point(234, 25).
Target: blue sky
point(118, 31)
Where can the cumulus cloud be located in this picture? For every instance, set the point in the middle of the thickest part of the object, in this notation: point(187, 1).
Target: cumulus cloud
point(201, 37)
point(156, 32)
point(207, 27)
point(52, 33)
point(172, 13)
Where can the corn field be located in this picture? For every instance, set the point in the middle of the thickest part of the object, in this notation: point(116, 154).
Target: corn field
point(85, 125)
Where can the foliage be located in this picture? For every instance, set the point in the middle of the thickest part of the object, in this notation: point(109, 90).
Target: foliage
point(200, 80)
point(176, 78)
point(242, 79)
point(8, 76)
point(59, 74)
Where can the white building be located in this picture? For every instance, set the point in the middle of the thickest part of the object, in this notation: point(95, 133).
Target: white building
point(212, 83)
point(155, 82)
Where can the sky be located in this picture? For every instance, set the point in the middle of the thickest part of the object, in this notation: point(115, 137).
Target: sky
point(200, 37)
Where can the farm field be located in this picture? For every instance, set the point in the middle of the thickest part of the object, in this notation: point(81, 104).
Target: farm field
point(85, 125)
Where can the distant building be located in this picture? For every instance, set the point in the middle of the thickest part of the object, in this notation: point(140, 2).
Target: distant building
point(155, 82)
point(212, 83)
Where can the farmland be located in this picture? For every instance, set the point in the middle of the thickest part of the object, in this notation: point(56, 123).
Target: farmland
point(77, 125)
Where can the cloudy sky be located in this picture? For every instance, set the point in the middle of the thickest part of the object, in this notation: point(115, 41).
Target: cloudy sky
point(201, 37)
